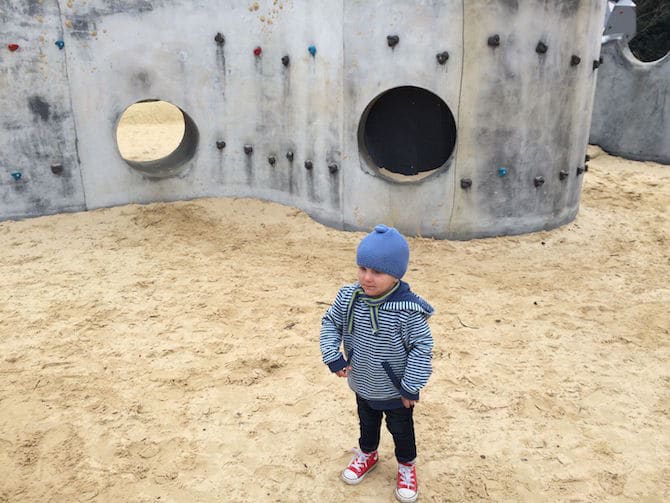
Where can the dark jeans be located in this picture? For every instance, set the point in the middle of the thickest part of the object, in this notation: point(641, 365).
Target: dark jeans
point(399, 423)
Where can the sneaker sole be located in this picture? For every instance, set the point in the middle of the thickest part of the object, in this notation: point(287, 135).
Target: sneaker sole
point(406, 500)
point(359, 479)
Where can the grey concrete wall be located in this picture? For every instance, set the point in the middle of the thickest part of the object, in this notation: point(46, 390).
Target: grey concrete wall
point(631, 114)
point(514, 107)
point(37, 123)
point(524, 111)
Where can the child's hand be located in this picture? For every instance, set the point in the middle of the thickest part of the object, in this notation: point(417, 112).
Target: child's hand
point(344, 372)
point(408, 403)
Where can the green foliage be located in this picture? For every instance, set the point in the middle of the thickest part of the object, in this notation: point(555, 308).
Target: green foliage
point(652, 40)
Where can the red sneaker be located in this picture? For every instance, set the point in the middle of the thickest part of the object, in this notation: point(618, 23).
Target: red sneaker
point(360, 464)
point(407, 489)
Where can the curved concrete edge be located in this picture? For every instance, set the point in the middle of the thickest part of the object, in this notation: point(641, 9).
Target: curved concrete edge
point(631, 113)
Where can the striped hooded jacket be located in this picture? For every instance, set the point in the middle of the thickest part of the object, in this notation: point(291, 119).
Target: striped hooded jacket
point(392, 362)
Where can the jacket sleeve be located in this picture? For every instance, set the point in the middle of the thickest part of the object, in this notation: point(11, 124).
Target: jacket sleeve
point(332, 327)
point(419, 358)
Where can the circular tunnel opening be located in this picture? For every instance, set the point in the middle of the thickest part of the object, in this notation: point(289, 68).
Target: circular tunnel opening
point(156, 137)
point(407, 133)
point(652, 38)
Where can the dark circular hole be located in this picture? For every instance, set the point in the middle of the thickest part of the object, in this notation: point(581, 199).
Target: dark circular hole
point(407, 131)
point(652, 39)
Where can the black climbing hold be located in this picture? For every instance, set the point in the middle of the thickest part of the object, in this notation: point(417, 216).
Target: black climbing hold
point(248, 149)
point(219, 38)
point(333, 167)
point(575, 60)
point(285, 60)
point(563, 175)
point(392, 40)
point(494, 40)
point(309, 165)
point(272, 160)
point(586, 168)
point(587, 158)
point(442, 57)
point(16, 175)
point(466, 183)
point(220, 145)
point(289, 155)
point(541, 47)
point(596, 64)
point(56, 168)
point(580, 170)
point(538, 181)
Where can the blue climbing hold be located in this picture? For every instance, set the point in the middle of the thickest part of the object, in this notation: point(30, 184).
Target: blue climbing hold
point(60, 44)
point(16, 175)
point(312, 50)
point(502, 171)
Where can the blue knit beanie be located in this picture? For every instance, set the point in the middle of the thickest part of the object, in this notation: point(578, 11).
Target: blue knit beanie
point(384, 250)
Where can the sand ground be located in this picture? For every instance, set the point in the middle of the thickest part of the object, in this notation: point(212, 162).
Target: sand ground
point(169, 353)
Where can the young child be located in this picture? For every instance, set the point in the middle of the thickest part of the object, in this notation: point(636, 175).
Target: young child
point(388, 346)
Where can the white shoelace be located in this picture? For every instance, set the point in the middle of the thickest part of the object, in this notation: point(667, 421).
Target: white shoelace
point(405, 474)
point(359, 459)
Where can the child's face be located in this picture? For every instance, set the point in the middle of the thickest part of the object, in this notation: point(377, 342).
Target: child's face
point(375, 283)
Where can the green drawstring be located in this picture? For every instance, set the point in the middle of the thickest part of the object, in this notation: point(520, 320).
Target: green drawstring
point(373, 304)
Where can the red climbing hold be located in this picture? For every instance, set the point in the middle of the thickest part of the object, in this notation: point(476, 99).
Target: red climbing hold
point(12, 47)
point(257, 51)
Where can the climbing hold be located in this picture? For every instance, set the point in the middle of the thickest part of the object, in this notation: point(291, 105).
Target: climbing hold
point(220, 145)
point(289, 155)
point(248, 149)
point(12, 47)
point(333, 167)
point(56, 168)
point(272, 160)
point(309, 165)
point(312, 50)
point(563, 175)
point(285, 60)
point(541, 47)
point(258, 51)
point(586, 168)
point(538, 181)
point(494, 40)
point(220, 39)
point(580, 170)
point(502, 172)
point(587, 158)
point(596, 64)
point(442, 57)
point(466, 183)
point(16, 175)
point(60, 44)
point(392, 40)
point(575, 60)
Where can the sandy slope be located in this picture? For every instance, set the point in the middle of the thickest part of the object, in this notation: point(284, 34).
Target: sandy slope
point(169, 352)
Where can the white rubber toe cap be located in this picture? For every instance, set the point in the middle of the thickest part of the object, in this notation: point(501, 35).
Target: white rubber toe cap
point(350, 477)
point(406, 495)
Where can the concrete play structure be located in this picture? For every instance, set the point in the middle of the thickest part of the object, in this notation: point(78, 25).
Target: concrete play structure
point(626, 83)
point(446, 118)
